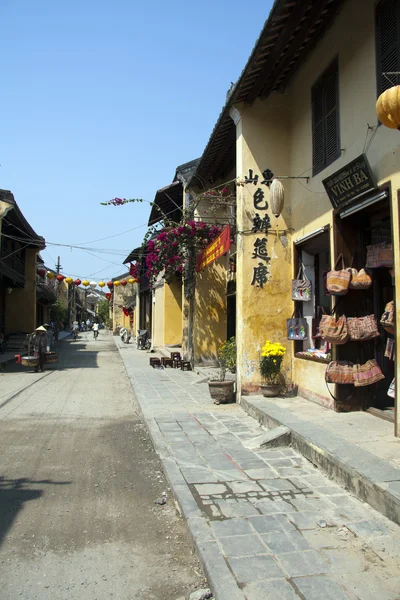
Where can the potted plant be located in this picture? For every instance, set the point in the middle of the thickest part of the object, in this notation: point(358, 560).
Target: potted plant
point(221, 390)
point(270, 368)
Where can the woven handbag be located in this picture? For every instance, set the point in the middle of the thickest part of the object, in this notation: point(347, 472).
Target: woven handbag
point(338, 281)
point(340, 371)
point(388, 319)
point(362, 329)
point(334, 331)
point(367, 374)
point(301, 288)
point(360, 280)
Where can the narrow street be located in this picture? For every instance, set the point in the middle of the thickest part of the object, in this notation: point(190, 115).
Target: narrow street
point(79, 481)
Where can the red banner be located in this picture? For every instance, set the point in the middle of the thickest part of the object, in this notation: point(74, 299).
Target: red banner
point(217, 248)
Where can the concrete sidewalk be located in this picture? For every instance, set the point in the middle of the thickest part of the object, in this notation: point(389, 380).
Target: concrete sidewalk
point(356, 449)
point(266, 524)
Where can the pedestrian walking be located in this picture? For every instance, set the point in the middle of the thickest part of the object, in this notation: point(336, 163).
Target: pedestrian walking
point(95, 330)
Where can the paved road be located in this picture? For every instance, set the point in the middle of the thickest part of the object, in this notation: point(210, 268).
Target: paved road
point(78, 483)
point(267, 524)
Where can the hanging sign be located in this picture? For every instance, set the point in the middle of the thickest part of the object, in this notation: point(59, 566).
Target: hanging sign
point(217, 248)
point(350, 182)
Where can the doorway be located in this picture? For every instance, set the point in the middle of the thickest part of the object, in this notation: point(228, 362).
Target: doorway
point(355, 230)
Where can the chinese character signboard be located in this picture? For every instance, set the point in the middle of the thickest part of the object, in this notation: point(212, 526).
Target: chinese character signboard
point(355, 179)
point(217, 248)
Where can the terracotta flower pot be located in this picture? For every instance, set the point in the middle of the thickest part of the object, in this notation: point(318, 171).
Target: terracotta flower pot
point(270, 390)
point(221, 391)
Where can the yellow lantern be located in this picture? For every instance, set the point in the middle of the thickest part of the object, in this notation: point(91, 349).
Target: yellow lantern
point(50, 275)
point(85, 282)
point(388, 107)
point(68, 280)
point(101, 284)
point(117, 283)
point(131, 280)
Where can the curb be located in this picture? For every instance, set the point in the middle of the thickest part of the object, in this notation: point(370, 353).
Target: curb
point(219, 576)
point(324, 454)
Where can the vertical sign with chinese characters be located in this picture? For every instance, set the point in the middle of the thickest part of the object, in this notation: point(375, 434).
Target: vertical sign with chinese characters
point(261, 224)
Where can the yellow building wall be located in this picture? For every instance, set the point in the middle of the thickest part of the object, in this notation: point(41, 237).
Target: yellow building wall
point(209, 324)
point(21, 303)
point(62, 293)
point(121, 296)
point(173, 312)
point(262, 142)
point(158, 317)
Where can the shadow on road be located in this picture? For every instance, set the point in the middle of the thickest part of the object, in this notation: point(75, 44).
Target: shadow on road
point(13, 495)
point(71, 355)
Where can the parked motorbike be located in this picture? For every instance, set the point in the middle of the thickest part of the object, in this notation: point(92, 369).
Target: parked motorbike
point(143, 341)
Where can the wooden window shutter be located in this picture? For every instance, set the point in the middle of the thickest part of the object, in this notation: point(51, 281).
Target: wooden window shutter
point(387, 43)
point(325, 119)
point(318, 137)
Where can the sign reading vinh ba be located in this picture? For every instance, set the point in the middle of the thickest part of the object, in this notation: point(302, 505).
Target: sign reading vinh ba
point(217, 248)
point(350, 182)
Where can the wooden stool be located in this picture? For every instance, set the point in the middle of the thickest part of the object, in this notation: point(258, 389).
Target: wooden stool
point(155, 362)
point(176, 356)
point(167, 362)
point(185, 365)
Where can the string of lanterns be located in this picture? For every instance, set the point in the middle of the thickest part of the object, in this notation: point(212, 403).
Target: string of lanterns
point(92, 284)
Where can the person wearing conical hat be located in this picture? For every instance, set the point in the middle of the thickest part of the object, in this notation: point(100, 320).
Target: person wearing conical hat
point(39, 340)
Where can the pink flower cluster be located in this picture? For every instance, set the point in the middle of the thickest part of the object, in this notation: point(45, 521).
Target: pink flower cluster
point(169, 250)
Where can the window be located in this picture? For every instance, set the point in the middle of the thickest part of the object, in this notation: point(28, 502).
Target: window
point(387, 44)
point(325, 118)
point(314, 255)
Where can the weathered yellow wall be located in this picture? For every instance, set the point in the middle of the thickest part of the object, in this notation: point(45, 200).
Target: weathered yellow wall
point(209, 327)
point(173, 312)
point(262, 142)
point(121, 296)
point(62, 293)
point(21, 303)
point(158, 317)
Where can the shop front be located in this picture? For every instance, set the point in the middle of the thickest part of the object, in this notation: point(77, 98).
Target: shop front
point(361, 238)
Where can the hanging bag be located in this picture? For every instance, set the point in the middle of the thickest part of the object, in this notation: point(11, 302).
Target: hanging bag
point(334, 330)
point(296, 328)
point(367, 374)
point(301, 288)
point(362, 329)
point(388, 319)
point(360, 280)
point(340, 371)
point(338, 281)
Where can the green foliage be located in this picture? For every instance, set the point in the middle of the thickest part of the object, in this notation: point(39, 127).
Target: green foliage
point(103, 311)
point(227, 355)
point(58, 312)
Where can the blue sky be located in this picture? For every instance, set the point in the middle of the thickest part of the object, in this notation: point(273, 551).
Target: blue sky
point(102, 99)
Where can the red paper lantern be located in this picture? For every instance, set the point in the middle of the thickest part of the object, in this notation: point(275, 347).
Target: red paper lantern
point(110, 285)
point(77, 282)
point(41, 272)
point(108, 296)
point(60, 278)
point(124, 282)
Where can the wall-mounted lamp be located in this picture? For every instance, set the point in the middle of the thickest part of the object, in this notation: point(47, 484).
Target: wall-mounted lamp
point(310, 235)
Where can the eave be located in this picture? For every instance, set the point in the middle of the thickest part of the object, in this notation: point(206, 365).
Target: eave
point(291, 31)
